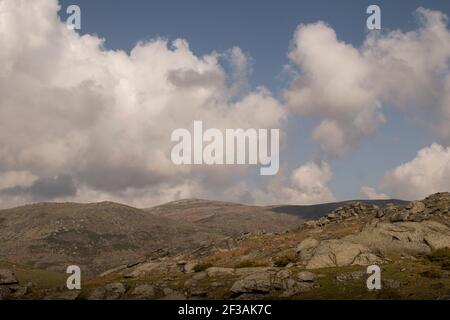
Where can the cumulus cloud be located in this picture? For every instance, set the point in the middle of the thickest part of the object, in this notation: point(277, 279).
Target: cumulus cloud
point(100, 120)
point(372, 194)
point(45, 188)
point(79, 122)
point(428, 173)
point(346, 87)
point(307, 185)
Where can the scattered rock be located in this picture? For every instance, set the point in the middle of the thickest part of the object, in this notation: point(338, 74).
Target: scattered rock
point(67, 295)
point(143, 291)
point(114, 291)
point(199, 276)
point(391, 284)
point(281, 282)
point(218, 272)
point(340, 253)
point(260, 283)
point(306, 276)
point(18, 292)
point(7, 277)
point(170, 294)
point(350, 276)
point(198, 293)
point(97, 294)
point(416, 207)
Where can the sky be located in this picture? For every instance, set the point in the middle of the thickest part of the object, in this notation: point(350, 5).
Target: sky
point(86, 115)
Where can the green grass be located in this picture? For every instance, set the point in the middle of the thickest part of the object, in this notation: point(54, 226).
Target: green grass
point(202, 267)
point(41, 279)
point(441, 257)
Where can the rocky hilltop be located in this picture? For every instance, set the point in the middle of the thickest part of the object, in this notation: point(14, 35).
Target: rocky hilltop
point(101, 236)
point(323, 258)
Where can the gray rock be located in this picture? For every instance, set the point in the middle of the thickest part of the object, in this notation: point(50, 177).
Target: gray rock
point(114, 291)
point(189, 266)
point(350, 276)
point(391, 284)
point(340, 253)
point(18, 292)
point(218, 272)
point(306, 276)
point(199, 276)
point(270, 282)
point(242, 272)
point(170, 294)
point(260, 282)
point(416, 207)
point(97, 294)
point(197, 292)
point(404, 238)
point(4, 292)
point(67, 295)
point(306, 244)
point(7, 277)
point(400, 216)
point(153, 267)
point(292, 288)
point(437, 240)
point(143, 291)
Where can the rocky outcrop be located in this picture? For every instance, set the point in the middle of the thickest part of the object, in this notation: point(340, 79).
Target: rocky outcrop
point(112, 291)
point(340, 253)
point(407, 238)
point(417, 228)
point(143, 292)
point(7, 277)
point(273, 281)
point(65, 295)
point(10, 287)
point(350, 211)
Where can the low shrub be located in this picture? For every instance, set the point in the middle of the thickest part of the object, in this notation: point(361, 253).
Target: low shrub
point(202, 267)
point(284, 259)
point(441, 257)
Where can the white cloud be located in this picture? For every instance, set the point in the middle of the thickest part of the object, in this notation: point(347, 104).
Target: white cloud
point(308, 185)
point(428, 173)
point(13, 179)
point(345, 87)
point(102, 119)
point(96, 123)
point(372, 194)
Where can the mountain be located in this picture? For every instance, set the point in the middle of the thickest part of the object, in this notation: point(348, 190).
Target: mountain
point(100, 236)
point(319, 210)
point(96, 236)
point(199, 249)
point(226, 218)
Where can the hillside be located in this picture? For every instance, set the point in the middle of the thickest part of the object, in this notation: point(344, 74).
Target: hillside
point(97, 236)
point(319, 210)
point(101, 236)
point(324, 258)
point(226, 218)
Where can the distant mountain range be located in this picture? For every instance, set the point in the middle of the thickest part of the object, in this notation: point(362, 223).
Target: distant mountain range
point(319, 210)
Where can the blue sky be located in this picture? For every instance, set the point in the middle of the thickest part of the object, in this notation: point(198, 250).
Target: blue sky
point(362, 113)
point(264, 30)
